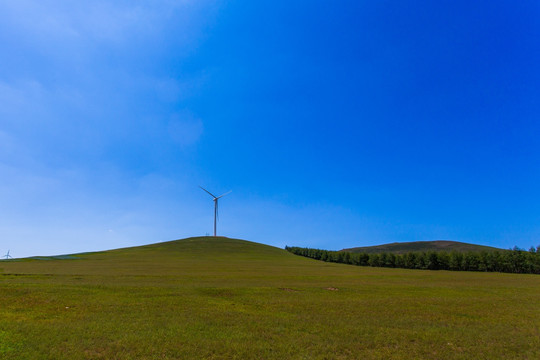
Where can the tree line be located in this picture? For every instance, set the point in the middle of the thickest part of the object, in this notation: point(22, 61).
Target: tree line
point(509, 261)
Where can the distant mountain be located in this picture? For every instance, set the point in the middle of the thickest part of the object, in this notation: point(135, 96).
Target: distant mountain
point(437, 245)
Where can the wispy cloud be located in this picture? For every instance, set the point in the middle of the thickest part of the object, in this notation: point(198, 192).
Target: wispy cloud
point(89, 73)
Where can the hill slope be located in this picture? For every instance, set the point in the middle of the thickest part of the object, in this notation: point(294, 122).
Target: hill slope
point(197, 255)
point(405, 247)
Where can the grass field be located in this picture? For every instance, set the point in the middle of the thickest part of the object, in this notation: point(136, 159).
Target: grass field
point(219, 298)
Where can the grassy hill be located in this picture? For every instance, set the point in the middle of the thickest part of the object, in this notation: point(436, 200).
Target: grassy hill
point(437, 245)
point(220, 298)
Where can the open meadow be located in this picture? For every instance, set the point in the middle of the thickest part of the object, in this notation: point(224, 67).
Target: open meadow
point(220, 298)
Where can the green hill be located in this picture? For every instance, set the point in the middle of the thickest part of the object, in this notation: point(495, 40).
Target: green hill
point(437, 245)
point(220, 298)
point(198, 256)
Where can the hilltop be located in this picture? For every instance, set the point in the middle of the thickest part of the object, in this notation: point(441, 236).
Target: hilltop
point(419, 246)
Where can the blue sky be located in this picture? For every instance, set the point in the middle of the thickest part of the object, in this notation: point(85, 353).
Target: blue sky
point(336, 124)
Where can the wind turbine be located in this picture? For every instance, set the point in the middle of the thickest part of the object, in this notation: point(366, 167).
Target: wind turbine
point(7, 256)
point(216, 198)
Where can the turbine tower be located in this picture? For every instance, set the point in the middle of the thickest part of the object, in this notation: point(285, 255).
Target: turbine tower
point(216, 198)
point(7, 256)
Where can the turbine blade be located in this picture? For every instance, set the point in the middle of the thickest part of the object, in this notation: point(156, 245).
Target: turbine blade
point(214, 196)
point(227, 193)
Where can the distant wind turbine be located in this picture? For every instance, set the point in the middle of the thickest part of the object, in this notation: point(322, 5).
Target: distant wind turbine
point(7, 256)
point(216, 198)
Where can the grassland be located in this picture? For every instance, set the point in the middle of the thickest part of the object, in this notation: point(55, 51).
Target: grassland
point(219, 298)
point(418, 246)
